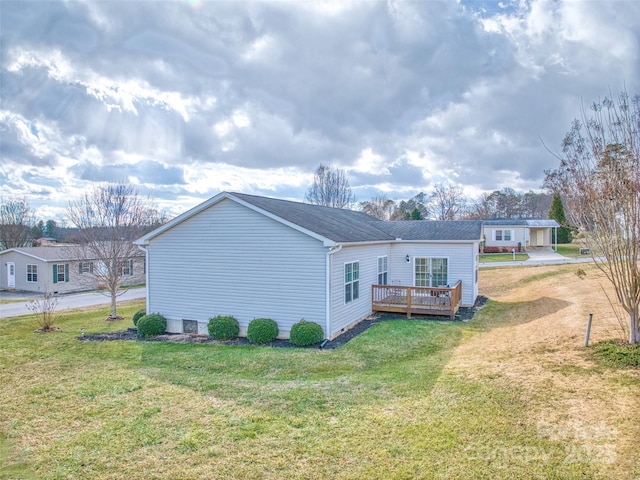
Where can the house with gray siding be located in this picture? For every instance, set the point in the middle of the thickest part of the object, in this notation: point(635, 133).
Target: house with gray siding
point(520, 233)
point(57, 269)
point(256, 257)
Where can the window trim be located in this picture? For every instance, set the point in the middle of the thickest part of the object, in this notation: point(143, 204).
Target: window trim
point(33, 274)
point(499, 234)
point(430, 271)
point(385, 271)
point(351, 287)
point(81, 268)
point(56, 272)
point(126, 268)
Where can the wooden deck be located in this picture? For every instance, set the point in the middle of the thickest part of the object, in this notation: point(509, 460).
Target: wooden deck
point(420, 300)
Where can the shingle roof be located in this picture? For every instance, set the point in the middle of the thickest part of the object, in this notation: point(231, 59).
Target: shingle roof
point(45, 253)
point(52, 253)
point(524, 222)
point(337, 224)
point(342, 225)
point(434, 230)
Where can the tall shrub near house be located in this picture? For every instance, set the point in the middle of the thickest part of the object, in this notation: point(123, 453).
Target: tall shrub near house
point(556, 212)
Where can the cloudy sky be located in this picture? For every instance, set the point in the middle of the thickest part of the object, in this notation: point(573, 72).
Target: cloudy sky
point(189, 98)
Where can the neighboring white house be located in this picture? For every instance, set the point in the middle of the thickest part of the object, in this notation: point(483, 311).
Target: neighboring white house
point(253, 257)
point(57, 269)
point(508, 234)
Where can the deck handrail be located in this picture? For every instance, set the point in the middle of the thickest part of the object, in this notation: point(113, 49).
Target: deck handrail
point(409, 299)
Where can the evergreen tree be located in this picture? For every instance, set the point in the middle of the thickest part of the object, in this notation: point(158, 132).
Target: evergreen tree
point(556, 212)
point(416, 214)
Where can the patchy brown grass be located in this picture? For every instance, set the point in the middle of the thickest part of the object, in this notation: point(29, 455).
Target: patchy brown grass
point(535, 327)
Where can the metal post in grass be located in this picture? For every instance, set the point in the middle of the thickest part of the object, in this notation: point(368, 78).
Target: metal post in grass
point(586, 337)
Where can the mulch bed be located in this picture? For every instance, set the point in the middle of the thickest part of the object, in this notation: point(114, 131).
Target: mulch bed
point(464, 314)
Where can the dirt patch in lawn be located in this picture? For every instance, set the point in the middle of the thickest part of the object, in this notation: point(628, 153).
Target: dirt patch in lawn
point(538, 347)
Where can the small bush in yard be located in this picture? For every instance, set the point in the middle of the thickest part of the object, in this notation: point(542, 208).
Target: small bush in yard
point(223, 327)
point(262, 330)
point(305, 333)
point(138, 315)
point(152, 325)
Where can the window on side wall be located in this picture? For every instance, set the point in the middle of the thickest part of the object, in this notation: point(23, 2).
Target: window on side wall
point(382, 270)
point(498, 235)
point(32, 273)
point(126, 268)
point(85, 267)
point(60, 272)
point(351, 281)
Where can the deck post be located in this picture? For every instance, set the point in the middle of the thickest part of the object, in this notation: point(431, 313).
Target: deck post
point(408, 302)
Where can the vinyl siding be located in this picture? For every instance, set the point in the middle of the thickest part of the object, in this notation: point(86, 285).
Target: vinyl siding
point(462, 264)
point(519, 234)
point(21, 261)
point(231, 260)
point(76, 283)
point(344, 314)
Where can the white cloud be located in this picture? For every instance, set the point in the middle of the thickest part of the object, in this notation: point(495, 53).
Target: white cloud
point(191, 98)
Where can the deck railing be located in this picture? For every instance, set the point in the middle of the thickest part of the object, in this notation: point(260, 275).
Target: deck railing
point(422, 300)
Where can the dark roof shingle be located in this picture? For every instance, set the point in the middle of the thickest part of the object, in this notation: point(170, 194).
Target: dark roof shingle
point(346, 226)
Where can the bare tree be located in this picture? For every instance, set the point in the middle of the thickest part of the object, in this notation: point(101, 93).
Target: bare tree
point(599, 174)
point(482, 208)
point(330, 188)
point(380, 207)
point(16, 223)
point(44, 309)
point(109, 218)
point(447, 202)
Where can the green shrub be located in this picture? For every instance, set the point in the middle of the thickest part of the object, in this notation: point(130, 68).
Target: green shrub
point(262, 330)
point(152, 325)
point(305, 333)
point(223, 327)
point(138, 315)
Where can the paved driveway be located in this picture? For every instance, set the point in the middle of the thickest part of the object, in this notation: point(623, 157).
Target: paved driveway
point(65, 302)
point(540, 257)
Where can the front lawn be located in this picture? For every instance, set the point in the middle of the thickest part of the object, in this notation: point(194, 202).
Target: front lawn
point(502, 257)
point(398, 401)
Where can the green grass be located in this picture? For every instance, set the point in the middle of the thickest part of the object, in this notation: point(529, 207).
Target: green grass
point(382, 406)
point(570, 250)
point(502, 257)
point(618, 354)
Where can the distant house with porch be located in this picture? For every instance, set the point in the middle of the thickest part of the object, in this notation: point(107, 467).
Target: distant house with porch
point(252, 257)
point(57, 269)
point(519, 234)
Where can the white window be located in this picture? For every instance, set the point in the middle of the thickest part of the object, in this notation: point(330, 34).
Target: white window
point(505, 235)
point(431, 272)
point(351, 281)
point(60, 273)
point(32, 273)
point(126, 268)
point(85, 267)
point(382, 270)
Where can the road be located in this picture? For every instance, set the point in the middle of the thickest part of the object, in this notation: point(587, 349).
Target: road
point(65, 302)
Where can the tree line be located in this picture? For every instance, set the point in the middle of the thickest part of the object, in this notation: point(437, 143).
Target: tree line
point(331, 188)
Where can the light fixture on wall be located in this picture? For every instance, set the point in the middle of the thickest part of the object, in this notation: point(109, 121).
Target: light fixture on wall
point(408, 258)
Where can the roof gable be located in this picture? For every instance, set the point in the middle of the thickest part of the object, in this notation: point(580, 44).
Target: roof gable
point(335, 225)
